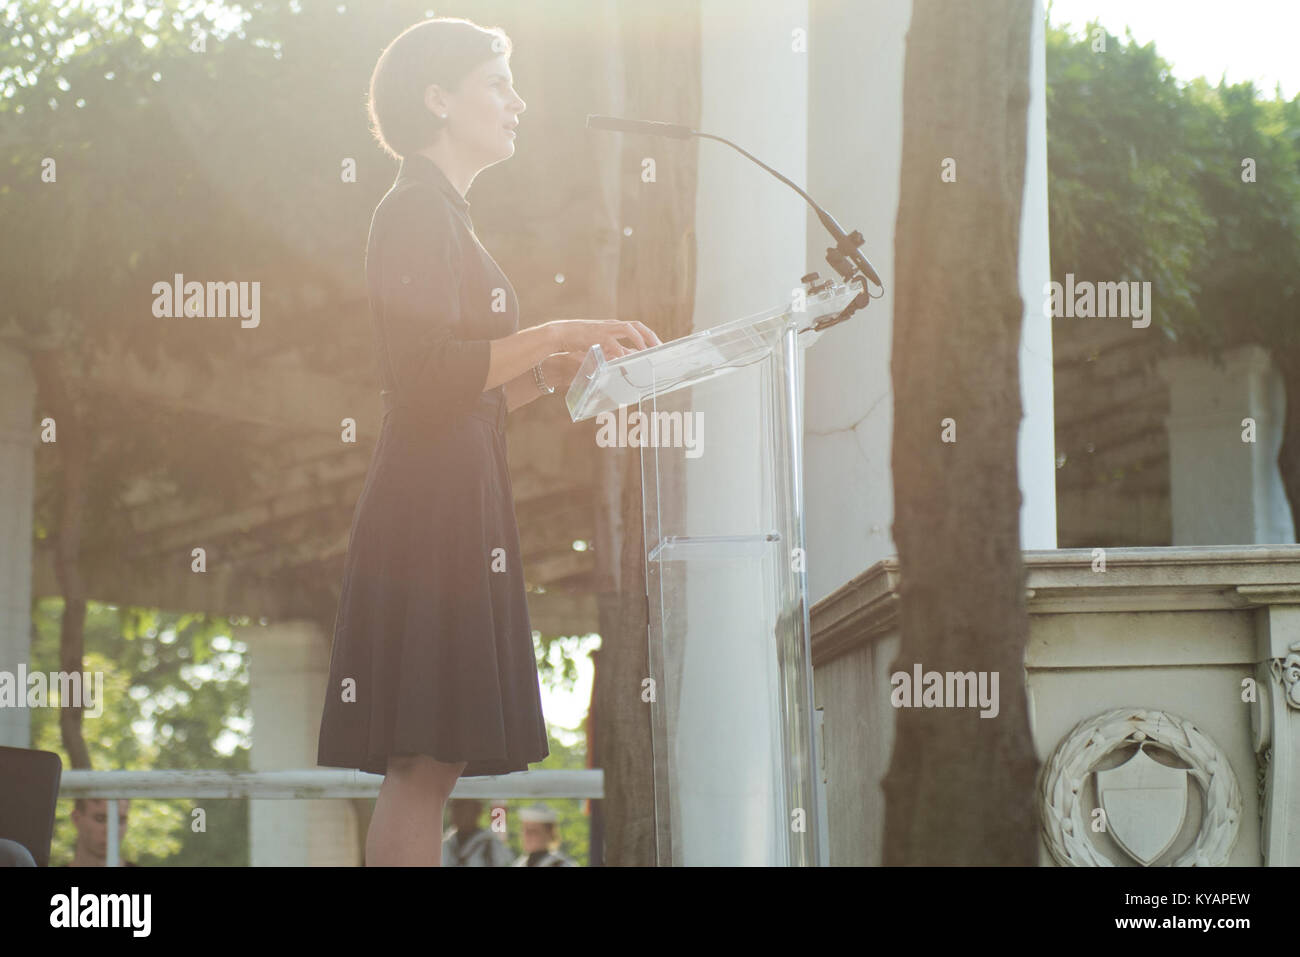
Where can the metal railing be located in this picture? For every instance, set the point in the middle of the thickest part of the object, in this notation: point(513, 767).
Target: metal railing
point(305, 785)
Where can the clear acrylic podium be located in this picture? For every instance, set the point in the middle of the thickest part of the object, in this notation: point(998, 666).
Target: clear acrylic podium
point(717, 418)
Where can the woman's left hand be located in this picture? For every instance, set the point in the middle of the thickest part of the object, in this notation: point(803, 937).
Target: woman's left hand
point(561, 368)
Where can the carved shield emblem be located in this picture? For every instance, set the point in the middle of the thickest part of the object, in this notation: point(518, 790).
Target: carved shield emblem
point(1145, 804)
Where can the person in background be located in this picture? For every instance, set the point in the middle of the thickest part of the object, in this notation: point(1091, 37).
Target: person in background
point(541, 839)
point(90, 815)
point(466, 844)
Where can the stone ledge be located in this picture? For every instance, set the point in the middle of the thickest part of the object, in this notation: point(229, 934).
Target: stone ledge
point(1175, 578)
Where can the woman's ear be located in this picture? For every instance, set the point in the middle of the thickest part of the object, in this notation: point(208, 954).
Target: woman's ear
point(433, 101)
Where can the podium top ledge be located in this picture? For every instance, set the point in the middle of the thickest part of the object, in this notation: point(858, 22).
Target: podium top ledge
point(605, 385)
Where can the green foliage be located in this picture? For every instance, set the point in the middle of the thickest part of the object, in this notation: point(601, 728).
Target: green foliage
point(558, 657)
point(1249, 264)
point(1146, 183)
point(1122, 200)
point(176, 696)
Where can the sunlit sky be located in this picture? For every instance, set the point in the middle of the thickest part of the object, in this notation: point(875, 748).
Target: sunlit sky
point(1246, 39)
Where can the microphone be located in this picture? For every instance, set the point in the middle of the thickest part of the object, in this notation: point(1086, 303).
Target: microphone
point(847, 249)
point(619, 125)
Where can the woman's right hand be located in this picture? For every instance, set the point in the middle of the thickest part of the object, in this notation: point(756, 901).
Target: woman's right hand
point(579, 335)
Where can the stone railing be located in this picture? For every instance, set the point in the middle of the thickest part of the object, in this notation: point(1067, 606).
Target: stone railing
point(306, 785)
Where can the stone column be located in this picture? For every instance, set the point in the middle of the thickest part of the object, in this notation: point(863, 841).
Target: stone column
point(1225, 490)
point(289, 665)
point(17, 483)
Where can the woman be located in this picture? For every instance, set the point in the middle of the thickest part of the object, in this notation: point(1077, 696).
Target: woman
point(432, 674)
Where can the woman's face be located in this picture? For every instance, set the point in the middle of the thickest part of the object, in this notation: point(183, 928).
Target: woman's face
point(480, 113)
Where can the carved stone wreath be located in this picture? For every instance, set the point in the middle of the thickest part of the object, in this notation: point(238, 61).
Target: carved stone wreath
point(1065, 823)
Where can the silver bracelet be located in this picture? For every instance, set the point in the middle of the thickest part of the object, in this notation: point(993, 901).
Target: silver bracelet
point(541, 380)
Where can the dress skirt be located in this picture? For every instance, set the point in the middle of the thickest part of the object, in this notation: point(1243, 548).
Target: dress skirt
point(433, 649)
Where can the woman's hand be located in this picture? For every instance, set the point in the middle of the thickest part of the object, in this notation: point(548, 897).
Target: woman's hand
point(561, 369)
point(579, 335)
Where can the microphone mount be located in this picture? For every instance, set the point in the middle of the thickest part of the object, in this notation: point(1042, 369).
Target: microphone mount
point(845, 257)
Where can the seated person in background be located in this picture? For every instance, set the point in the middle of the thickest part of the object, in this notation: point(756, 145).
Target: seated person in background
point(466, 844)
point(90, 815)
point(541, 839)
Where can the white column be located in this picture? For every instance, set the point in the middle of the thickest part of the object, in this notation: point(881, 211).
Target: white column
point(289, 665)
point(854, 144)
point(751, 233)
point(17, 483)
point(1037, 445)
point(1225, 490)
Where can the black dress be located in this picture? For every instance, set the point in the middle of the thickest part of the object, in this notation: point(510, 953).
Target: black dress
point(433, 649)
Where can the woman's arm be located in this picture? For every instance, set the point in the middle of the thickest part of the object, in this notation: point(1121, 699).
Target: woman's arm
point(513, 355)
point(558, 370)
point(521, 390)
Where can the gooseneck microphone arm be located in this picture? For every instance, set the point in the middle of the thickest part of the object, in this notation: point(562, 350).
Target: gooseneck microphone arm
point(842, 257)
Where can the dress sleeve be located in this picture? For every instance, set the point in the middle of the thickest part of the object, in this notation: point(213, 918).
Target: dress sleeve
point(419, 270)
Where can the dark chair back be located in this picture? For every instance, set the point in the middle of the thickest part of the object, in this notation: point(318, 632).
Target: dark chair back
point(29, 793)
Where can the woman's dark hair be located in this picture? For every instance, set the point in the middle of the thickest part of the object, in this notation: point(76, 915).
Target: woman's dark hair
point(442, 51)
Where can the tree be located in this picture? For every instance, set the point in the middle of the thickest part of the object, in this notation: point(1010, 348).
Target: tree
point(959, 789)
point(653, 44)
